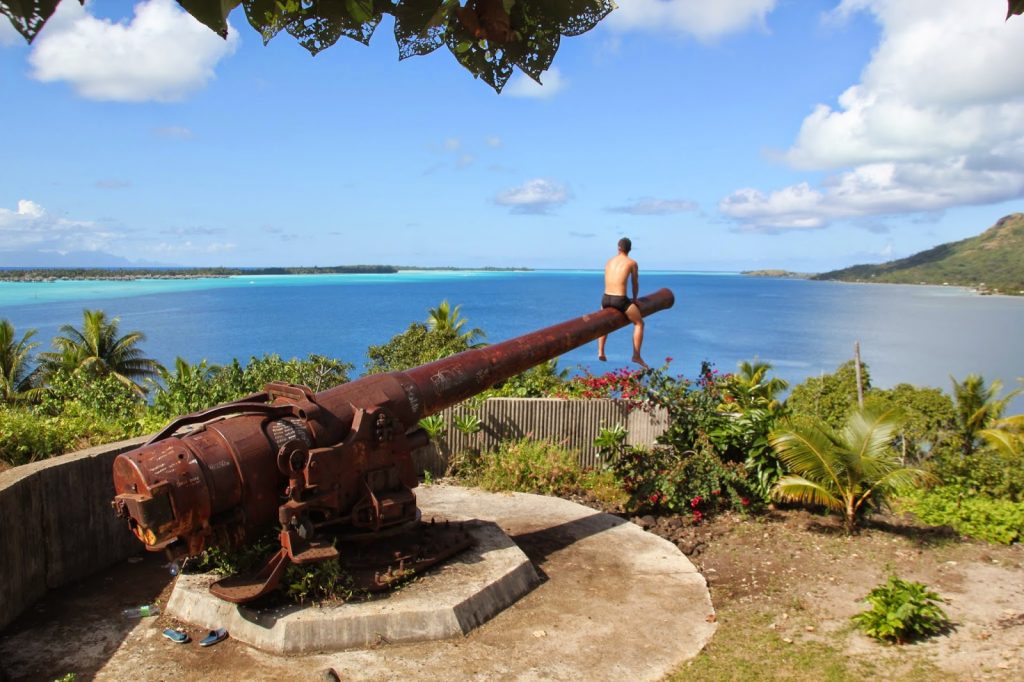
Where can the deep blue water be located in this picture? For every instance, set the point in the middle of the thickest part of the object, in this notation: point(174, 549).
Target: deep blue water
point(914, 334)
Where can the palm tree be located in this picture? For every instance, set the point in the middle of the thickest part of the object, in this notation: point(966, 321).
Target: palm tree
point(1006, 436)
point(446, 318)
point(977, 408)
point(751, 388)
point(846, 471)
point(98, 348)
point(15, 377)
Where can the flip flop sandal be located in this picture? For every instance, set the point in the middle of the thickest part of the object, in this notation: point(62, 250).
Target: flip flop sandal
point(177, 636)
point(215, 636)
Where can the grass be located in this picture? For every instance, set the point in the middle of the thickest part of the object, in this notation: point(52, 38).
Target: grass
point(747, 648)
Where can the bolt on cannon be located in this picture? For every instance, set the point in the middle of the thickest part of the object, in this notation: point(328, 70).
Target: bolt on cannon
point(323, 467)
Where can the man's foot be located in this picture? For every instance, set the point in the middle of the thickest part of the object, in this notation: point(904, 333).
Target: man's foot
point(601, 358)
point(640, 361)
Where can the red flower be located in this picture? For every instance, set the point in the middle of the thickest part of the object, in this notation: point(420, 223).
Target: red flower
point(697, 516)
point(695, 501)
point(716, 492)
point(655, 498)
point(745, 501)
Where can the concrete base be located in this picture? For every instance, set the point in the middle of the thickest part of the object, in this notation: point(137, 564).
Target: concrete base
point(615, 603)
point(449, 600)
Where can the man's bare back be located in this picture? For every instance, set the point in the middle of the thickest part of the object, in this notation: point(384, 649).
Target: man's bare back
point(619, 270)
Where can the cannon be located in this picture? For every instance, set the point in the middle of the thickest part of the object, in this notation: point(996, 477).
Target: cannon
point(335, 464)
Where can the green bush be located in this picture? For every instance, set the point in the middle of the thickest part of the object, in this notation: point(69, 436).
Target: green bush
point(902, 611)
point(984, 518)
point(26, 436)
point(987, 472)
point(695, 482)
point(319, 581)
point(534, 467)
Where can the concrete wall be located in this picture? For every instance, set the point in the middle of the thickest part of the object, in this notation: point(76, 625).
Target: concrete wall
point(57, 525)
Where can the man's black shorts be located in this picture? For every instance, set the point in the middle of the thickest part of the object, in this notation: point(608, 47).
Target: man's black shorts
point(620, 303)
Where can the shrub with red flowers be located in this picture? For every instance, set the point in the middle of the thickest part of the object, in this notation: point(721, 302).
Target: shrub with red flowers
point(627, 385)
point(694, 482)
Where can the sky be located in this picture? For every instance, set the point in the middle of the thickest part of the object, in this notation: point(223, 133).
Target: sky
point(719, 136)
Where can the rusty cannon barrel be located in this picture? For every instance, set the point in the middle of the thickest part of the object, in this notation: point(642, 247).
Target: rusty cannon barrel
point(319, 465)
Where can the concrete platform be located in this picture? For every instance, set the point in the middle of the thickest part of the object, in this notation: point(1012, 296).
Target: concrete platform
point(614, 603)
point(450, 600)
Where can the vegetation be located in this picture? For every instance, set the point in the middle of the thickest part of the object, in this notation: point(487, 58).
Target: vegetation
point(847, 471)
point(536, 467)
point(992, 519)
point(992, 262)
point(902, 611)
point(487, 37)
point(98, 350)
point(15, 356)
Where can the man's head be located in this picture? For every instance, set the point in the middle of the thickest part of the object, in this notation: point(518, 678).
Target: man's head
point(625, 245)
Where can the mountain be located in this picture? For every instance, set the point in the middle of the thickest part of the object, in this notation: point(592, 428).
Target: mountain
point(992, 262)
point(71, 259)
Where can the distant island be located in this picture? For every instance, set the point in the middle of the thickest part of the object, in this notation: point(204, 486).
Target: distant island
point(129, 273)
point(783, 274)
point(991, 263)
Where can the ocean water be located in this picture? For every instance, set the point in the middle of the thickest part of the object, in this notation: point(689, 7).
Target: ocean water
point(915, 334)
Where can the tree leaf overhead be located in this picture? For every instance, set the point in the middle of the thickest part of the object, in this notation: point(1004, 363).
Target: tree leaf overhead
point(1015, 7)
point(28, 16)
point(488, 37)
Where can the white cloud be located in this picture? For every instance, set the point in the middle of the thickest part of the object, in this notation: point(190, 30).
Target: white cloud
point(875, 189)
point(187, 247)
point(534, 196)
point(175, 132)
point(524, 86)
point(494, 141)
point(162, 54)
point(946, 78)
point(704, 19)
point(651, 206)
point(936, 121)
point(30, 226)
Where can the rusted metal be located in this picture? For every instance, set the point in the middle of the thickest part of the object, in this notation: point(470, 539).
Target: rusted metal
point(318, 465)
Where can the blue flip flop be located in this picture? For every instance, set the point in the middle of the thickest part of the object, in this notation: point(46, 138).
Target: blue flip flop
point(177, 636)
point(218, 635)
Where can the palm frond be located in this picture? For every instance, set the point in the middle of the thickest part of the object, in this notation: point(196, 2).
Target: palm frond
point(798, 489)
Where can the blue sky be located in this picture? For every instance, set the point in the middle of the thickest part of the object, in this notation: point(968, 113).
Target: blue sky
point(730, 135)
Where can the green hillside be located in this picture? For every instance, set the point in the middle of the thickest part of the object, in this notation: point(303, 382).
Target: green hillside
point(992, 262)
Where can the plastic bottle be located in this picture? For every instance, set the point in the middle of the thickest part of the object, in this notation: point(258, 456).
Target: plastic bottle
point(141, 611)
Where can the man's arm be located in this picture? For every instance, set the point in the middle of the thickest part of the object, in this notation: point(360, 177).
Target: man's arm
point(636, 281)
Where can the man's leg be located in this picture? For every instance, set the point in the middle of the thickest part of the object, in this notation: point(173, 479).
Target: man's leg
point(600, 348)
point(633, 313)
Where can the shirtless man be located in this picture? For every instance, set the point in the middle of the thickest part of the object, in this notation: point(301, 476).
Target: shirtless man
point(620, 268)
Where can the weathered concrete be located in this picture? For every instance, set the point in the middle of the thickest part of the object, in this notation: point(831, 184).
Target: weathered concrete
point(451, 600)
point(56, 525)
point(616, 603)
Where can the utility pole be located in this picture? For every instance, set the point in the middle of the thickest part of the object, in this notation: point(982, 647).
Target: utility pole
point(856, 365)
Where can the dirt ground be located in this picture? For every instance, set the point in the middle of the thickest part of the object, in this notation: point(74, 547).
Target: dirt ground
point(792, 580)
point(784, 587)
